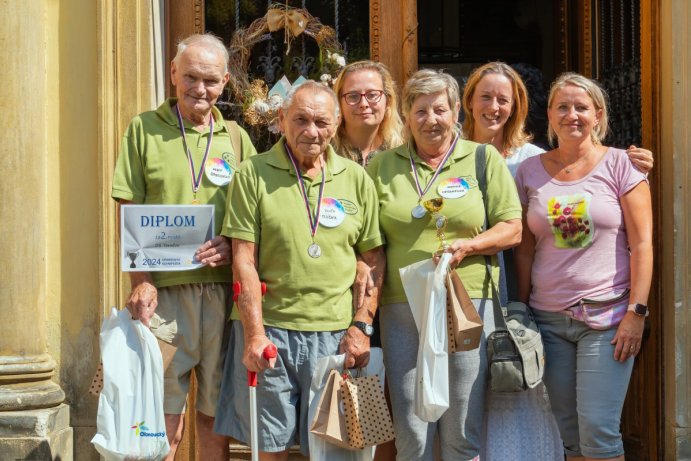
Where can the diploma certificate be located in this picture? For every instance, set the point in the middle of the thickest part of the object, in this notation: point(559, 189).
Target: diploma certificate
point(163, 237)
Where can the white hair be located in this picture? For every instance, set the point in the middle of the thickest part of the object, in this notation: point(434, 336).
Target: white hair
point(208, 41)
point(315, 87)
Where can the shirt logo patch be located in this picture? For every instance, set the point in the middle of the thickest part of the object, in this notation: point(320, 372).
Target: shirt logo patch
point(348, 206)
point(230, 158)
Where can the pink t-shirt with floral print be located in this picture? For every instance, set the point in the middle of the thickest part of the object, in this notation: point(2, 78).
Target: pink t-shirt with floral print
point(581, 246)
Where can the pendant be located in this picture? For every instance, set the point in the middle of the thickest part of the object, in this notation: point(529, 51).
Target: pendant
point(195, 201)
point(314, 251)
point(418, 212)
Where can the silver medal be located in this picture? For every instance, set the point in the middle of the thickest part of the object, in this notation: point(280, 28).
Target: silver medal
point(314, 250)
point(419, 212)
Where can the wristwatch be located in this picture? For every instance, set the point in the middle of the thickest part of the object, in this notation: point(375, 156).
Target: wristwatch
point(366, 328)
point(639, 309)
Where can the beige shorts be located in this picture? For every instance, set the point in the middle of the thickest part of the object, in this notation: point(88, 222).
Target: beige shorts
point(193, 319)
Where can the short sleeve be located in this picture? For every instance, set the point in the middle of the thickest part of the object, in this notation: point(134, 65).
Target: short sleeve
point(627, 175)
point(128, 179)
point(371, 236)
point(523, 170)
point(502, 199)
point(242, 210)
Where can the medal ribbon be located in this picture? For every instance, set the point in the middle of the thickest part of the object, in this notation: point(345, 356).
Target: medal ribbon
point(421, 192)
point(314, 222)
point(196, 177)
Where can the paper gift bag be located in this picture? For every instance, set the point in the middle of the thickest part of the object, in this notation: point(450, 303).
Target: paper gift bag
point(329, 421)
point(464, 322)
point(167, 352)
point(368, 422)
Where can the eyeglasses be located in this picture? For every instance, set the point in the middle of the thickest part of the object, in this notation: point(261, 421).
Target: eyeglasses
point(354, 97)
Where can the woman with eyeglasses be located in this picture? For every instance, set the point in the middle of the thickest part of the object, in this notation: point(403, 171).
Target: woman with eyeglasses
point(369, 111)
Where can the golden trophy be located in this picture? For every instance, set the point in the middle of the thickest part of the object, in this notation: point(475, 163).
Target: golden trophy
point(434, 206)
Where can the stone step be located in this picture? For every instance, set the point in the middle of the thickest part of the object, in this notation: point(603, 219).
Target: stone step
point(240, 452)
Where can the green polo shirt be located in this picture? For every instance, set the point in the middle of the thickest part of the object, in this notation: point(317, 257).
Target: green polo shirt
point(152, 168)
point(409, 240)
point(266, 207)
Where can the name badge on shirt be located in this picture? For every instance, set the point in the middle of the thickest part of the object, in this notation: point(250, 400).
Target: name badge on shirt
point(218, 171)
point(332, 212)
point(453, 188)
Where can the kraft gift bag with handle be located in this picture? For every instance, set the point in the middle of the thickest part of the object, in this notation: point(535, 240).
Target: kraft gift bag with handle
point(130, 423)
point(329, 421)
point(465, 324)
point(320, 448)
point(367, 417)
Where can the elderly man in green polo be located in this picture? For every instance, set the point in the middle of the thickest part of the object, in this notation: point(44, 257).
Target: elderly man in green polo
point(298, 216)
point(164, 159)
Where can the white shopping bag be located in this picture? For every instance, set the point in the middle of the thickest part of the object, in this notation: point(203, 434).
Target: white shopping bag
point(320, 449)
point(130, 422)
point(425, 288)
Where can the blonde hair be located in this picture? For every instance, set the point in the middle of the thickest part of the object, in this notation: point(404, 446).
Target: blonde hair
point(391, 128)
point(425, 82)
point(514, 129)
point(596, 93)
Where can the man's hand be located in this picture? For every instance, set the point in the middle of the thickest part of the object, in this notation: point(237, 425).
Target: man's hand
point(363, 284)
point(143, 298)
point(253, 355)
point(215, 252)
point(355, 345)
point(641, 158)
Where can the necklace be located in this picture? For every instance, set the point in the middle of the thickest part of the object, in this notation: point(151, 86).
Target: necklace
point(569, 168)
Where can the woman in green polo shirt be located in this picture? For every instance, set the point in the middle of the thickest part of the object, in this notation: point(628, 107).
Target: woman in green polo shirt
point(437, 163)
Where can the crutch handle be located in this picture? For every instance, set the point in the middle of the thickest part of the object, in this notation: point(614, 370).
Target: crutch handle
point(270, 352)
point(237, 288)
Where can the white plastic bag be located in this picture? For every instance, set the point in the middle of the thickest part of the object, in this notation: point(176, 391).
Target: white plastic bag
point(320, 449)
point(130, 422)
point(429, 311)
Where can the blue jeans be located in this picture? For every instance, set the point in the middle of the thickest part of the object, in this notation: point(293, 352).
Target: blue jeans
point(460, 427)
point(586, 386)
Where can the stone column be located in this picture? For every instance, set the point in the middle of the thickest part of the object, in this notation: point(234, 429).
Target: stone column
point(33, 423)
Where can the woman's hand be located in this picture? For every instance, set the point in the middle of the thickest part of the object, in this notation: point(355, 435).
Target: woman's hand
point(627, 340)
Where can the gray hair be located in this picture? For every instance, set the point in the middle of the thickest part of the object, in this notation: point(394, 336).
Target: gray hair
point(208, 41)
point(311, 85)
point(596, 93)
point(425, 82)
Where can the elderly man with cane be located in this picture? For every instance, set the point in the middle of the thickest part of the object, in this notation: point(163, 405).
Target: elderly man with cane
point(298, 215)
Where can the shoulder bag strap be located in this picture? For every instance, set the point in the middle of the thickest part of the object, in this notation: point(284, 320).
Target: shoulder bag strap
point(481, 175)
point(235, 138)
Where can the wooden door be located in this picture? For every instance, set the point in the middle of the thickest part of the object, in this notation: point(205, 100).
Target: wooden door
point(615, 41)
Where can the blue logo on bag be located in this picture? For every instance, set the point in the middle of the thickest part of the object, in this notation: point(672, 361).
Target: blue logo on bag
point(143, 431)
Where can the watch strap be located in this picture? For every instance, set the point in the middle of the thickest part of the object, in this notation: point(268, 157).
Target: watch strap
point(366, 328)
point(639, 309)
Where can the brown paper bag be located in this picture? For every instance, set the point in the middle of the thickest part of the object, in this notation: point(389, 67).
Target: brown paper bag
point(329, 421)
point(368, 421)
point(167, 352)
point(464, 323)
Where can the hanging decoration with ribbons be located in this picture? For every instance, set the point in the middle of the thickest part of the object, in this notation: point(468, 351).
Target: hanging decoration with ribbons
point(290, 19)
point(258, 110)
